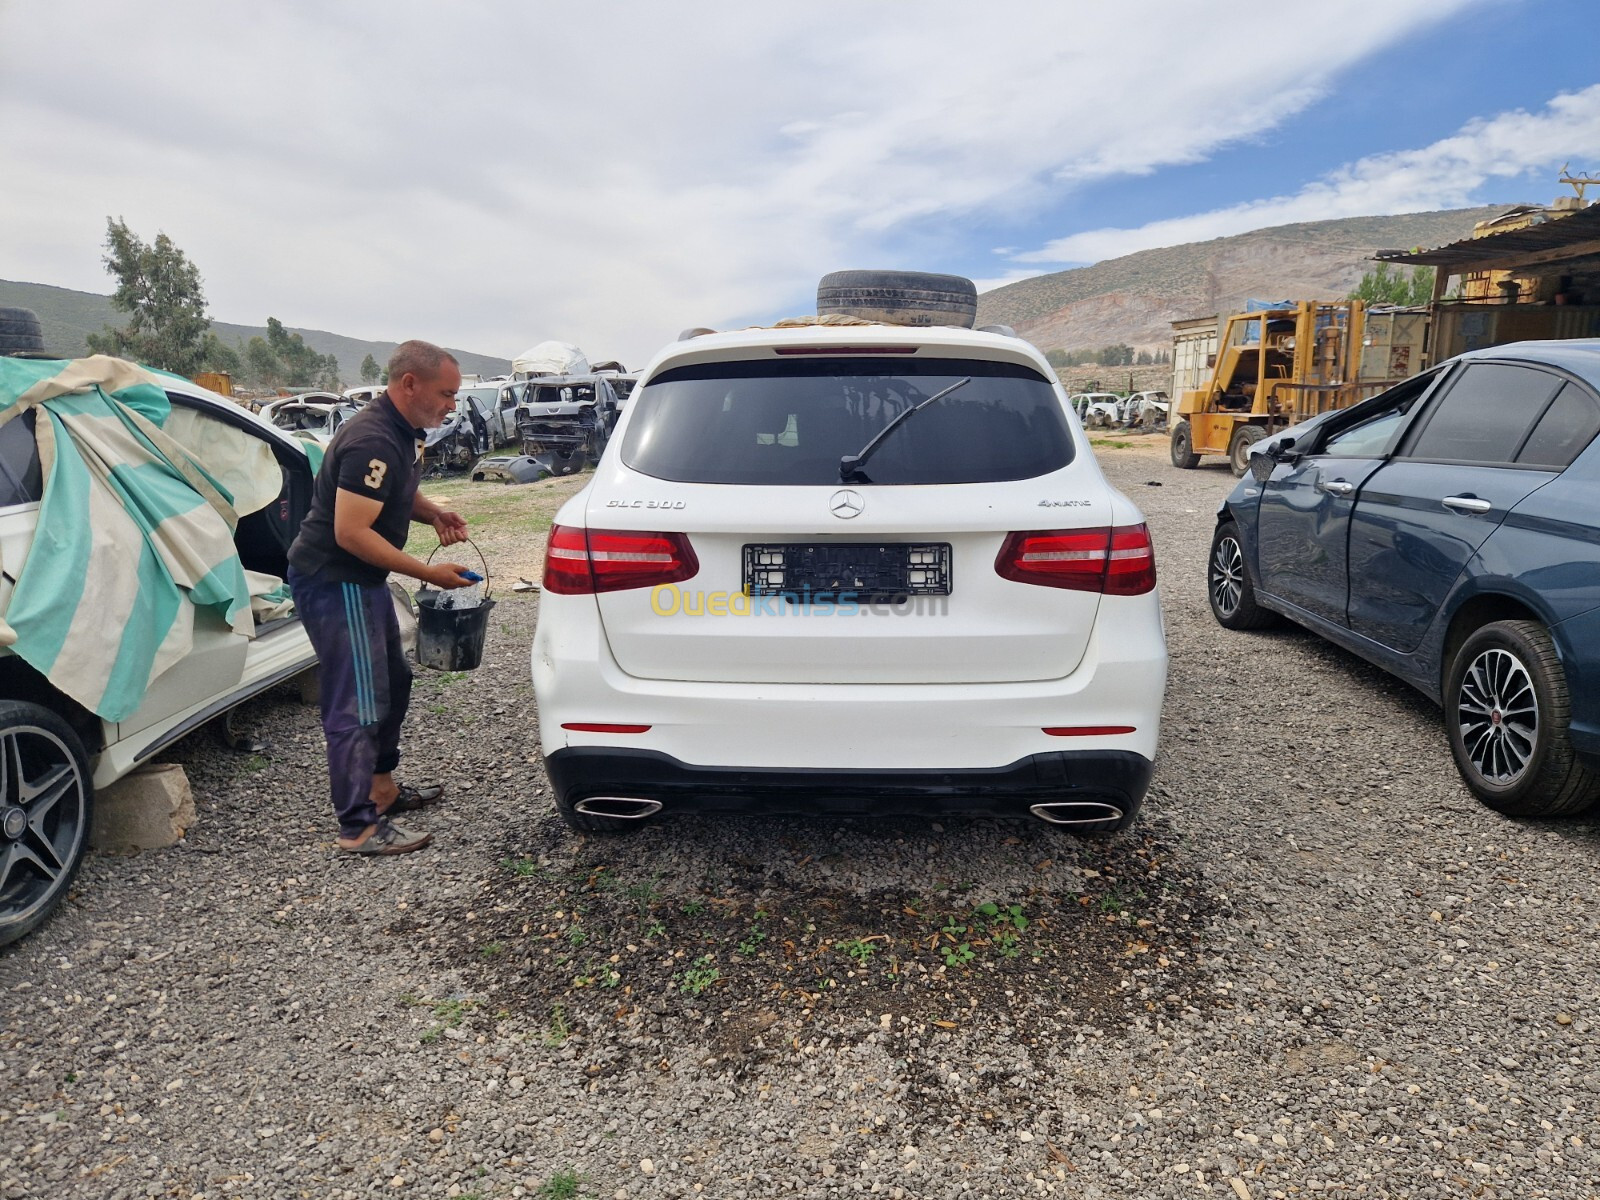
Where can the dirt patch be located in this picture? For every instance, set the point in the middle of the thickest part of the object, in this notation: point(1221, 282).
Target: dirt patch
point(777, 955)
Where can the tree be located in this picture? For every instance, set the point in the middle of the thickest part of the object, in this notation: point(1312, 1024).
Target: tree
point(217, 355)
point(160, 290)
point(370, 370)
point(300, 365)
point(1378, 286)
point(264, 366)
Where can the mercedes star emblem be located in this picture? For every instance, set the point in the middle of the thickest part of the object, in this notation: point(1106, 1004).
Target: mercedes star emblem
point(846, 504)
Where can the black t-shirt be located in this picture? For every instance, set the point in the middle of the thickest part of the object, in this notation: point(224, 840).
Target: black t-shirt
point(377, 454)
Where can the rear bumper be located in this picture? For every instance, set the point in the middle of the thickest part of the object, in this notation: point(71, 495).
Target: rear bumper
point(1116, 777)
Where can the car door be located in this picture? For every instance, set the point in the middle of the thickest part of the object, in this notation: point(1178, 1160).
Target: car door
point(1303, 522)
point(1453, 480)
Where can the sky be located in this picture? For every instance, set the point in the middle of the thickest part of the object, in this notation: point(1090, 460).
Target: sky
point(490, 175)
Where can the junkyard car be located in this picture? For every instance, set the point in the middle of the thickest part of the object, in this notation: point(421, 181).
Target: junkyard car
point(496, 402)
point(56, 749)
point(860, 568)
point(1098, 409)
point(1447, 531)
point(566, 420)
point(318, 420)
point(1146, 410)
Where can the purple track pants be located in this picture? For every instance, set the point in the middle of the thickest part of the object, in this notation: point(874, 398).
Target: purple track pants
point(366, 687)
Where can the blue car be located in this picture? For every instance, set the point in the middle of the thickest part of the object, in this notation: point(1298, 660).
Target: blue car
point(1448, 531)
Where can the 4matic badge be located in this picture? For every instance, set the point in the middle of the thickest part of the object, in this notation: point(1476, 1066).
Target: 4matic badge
point(1066, 504)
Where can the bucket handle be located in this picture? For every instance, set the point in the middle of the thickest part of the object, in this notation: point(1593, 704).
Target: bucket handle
point(481, 559)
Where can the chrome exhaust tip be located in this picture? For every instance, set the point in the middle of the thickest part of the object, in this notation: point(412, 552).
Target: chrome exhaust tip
point(623, 808)
point(1076, 812)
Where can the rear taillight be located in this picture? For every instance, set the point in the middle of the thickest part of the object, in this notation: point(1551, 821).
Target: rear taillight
point(1118, 562)
point(583, 561)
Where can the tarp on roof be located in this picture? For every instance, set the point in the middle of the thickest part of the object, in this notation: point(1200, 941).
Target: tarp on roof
point(132, 535)
point(551, 358)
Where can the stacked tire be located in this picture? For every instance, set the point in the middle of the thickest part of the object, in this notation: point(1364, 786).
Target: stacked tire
point(899, 297)
point(20, 332)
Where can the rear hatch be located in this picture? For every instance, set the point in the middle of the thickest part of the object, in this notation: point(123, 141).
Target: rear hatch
point(802, 576)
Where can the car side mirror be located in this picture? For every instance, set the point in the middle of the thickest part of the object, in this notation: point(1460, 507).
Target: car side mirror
point(1285, 451)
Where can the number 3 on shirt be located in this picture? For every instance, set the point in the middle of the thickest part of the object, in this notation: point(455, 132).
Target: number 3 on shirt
point(374, 478)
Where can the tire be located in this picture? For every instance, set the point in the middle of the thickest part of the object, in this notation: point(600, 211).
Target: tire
point(899, 297)
point(1239, 449)
point(1183, 455)
point(589, 823)
point(1507, 712)
point(1229, 587)
point(17, 322)
point(46, 805)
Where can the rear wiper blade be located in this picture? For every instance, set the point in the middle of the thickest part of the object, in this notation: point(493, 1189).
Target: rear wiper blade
point(851, 464)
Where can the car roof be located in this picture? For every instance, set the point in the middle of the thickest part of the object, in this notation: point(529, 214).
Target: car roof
point(758, 343)
point(565, 380)
point(1580, 356)
point(190, 390)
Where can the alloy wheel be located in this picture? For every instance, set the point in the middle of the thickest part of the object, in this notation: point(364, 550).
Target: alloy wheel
point(43, 818)
point(1227, 576)
point(1498, 712)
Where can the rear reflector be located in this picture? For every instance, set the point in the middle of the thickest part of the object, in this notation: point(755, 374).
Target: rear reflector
point(832, 351)
point(1118, 562)
point(581, 562)
point(602, 727)
point(1087, 730)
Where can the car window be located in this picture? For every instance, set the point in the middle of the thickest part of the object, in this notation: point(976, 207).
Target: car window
point(1485, 414)
point(1568, 425)
point(789, 423)
point(1378, 422)
point(20, 480)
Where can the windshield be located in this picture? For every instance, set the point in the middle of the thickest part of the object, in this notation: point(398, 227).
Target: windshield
point(790, 422)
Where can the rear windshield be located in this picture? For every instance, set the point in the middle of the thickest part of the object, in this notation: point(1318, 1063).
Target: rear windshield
point(789, 422)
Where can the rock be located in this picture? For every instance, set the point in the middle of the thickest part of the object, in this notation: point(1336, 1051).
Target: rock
point(151, 808)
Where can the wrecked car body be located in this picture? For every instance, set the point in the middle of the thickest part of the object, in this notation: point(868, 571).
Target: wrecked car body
point(566, 420)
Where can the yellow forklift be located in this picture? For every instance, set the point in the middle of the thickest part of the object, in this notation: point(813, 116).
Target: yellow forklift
point(1274, 367)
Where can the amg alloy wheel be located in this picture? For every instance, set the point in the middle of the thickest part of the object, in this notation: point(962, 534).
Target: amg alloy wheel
point(1507, 710)
point(46, 798)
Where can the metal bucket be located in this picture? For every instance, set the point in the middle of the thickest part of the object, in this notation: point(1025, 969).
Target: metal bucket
point(451, 639)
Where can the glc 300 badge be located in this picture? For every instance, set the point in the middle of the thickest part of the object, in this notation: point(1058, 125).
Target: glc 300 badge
point(645, 504)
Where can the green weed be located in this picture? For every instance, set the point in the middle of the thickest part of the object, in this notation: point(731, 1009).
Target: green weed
point(559, 1029)
point(563, 1185)
point(700, 975)
point(857, 948)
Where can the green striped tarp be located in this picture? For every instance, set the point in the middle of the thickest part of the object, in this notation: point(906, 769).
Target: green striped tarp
point(132, 537)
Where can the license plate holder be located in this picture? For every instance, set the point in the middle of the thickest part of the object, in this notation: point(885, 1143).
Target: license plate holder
point(866, 572)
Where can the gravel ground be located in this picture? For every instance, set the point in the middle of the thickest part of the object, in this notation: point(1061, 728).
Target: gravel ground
point(1315, 967)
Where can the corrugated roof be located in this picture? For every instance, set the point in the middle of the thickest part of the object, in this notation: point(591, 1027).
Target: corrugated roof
point(1562, 240)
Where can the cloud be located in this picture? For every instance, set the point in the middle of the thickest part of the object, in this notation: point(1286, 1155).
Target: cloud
point(1450, 173)
point(491, 175)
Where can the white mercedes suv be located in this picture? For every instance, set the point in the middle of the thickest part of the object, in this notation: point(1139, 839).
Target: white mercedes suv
point(849, 569)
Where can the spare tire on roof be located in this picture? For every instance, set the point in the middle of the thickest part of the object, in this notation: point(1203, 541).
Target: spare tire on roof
point(899, 297)
point(19, 330)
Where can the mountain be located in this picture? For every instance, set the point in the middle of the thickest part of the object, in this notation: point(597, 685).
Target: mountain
point(1132, 300)
point(68, 317)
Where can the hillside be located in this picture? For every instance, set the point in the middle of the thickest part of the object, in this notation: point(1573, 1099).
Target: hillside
point(68, 317)
point(1133, 299)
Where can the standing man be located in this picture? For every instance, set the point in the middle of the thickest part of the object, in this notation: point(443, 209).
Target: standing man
point(363, 503)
